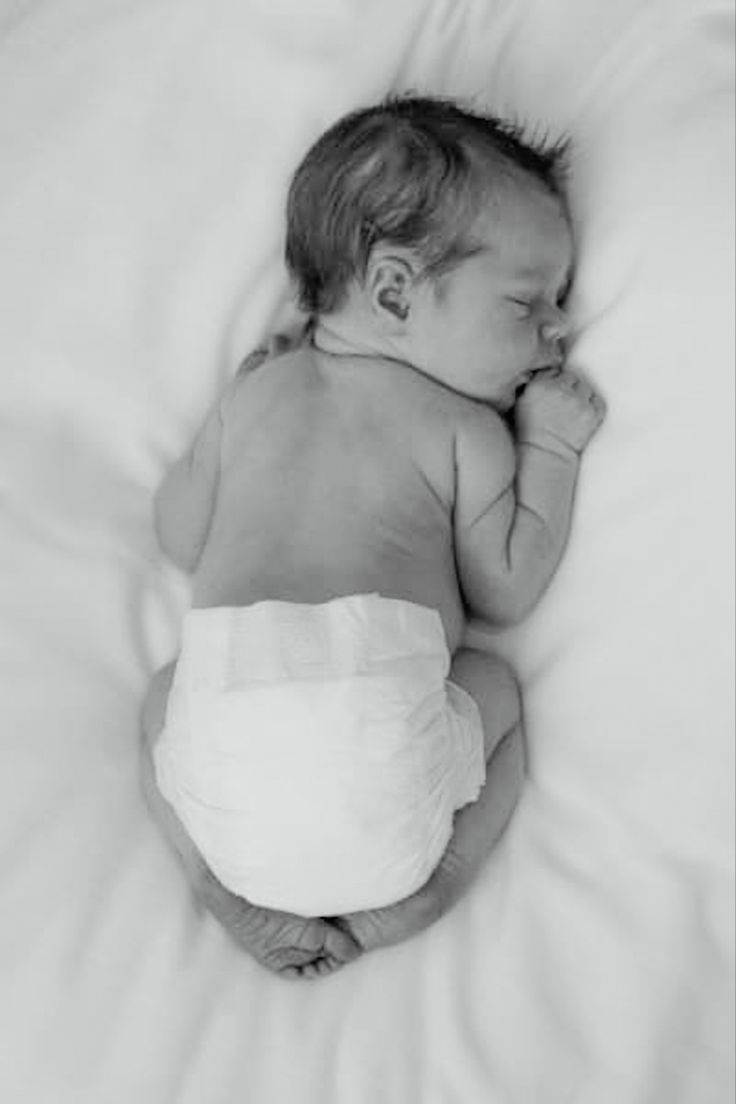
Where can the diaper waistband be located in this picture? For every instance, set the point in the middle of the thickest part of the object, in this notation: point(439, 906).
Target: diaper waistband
point(274, 640)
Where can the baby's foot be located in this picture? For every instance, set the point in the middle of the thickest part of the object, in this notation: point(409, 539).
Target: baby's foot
point(296, 947)
point(334, 948)
point(383, 927)
point(293, 946)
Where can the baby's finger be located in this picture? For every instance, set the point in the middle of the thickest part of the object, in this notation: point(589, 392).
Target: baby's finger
point(572, 382)
point(599, 404)
point(279, 343)
point(582, 389)
point(253, 360)
point(286, 340)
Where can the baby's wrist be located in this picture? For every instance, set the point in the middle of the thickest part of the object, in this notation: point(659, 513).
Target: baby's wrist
point(545, 440)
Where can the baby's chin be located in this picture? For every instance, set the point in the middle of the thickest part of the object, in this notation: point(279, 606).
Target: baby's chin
point(505, 399)
point(505, 404)
point(513, 393)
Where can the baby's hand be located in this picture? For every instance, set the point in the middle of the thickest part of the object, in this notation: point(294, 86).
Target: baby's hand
point(559, 411)
point(275, 346)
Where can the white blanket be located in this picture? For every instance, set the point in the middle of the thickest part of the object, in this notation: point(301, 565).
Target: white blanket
point(146, 147)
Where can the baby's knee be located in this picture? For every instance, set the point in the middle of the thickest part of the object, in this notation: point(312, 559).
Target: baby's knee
point(492, 684)
point(507, 693)
point(506, 770)
point(490, 679)
point(505, 706)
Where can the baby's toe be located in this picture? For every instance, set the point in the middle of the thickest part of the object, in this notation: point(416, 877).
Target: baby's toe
point(327, 965)
point(319, 968)
point(314, 970)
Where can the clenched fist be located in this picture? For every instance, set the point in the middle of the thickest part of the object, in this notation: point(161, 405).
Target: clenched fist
point(559, 411)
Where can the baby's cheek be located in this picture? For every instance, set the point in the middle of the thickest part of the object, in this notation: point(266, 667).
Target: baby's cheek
point(522, 348)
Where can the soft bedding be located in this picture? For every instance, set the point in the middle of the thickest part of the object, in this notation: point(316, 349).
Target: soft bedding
point(145, 151)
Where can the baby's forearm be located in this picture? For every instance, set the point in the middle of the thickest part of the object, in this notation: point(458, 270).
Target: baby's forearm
point(545, 488)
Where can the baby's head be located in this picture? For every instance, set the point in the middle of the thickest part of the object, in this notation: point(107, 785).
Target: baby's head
point(424, 232)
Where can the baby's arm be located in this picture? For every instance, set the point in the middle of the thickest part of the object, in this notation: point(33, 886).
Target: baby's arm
point(185, 501)
point(514, 502)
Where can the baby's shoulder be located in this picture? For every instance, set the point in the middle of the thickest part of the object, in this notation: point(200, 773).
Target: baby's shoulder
point(264, 365)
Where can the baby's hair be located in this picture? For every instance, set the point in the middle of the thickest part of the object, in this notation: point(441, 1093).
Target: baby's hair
point(412, 172)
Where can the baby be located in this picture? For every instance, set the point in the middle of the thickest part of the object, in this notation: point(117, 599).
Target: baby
point(331, 763)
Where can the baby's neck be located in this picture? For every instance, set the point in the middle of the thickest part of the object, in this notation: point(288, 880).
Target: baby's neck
point(340, 336)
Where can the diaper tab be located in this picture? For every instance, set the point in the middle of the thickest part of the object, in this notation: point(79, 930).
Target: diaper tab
point(272, 641)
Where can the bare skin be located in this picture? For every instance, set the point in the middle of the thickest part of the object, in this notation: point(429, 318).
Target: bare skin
point(433, 498)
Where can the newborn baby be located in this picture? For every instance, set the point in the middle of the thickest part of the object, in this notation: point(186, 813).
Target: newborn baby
point(331, 762)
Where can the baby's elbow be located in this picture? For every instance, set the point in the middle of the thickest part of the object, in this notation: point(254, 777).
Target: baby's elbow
point(512, 611)
point(506, 616)
point(502, 606)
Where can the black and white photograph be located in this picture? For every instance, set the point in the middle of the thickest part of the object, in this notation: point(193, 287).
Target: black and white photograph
point(367, 515)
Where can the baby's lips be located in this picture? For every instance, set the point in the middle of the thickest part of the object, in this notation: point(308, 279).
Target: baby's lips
point(547, 371)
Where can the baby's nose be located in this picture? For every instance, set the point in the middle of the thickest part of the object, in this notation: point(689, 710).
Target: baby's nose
point(555, 326)
point(552, 333)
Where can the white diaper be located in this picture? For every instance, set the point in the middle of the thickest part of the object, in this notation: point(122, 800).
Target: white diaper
point(316, 753)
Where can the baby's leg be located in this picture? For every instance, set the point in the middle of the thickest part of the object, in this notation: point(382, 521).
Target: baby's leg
point(289, 945)
point(493, 687)
point(477, 827)
point(152, 722)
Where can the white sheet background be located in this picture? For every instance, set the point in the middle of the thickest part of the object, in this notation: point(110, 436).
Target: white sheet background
point(145, 151)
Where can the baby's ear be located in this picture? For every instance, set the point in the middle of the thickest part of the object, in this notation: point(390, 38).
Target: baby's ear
point(389, 282)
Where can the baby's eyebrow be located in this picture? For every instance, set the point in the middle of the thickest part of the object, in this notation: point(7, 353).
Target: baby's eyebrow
point(537, 272)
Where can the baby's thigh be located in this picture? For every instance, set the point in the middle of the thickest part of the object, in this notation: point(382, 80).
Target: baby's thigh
point(153, 717)
point(153, 713)
point(493, 687)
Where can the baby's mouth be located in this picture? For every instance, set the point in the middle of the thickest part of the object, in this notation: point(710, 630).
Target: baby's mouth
point(521, 383)
point(554, 366)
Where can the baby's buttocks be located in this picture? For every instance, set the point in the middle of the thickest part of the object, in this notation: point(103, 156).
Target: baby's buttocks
point(320, 767)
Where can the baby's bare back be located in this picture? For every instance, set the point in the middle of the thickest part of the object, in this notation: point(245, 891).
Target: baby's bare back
point(337, 477)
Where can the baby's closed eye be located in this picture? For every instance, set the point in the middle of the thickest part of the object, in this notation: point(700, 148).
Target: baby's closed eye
point(522, 307)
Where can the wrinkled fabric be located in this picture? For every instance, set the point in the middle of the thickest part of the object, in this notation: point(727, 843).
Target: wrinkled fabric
point(146, 150)
point(315, 753)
